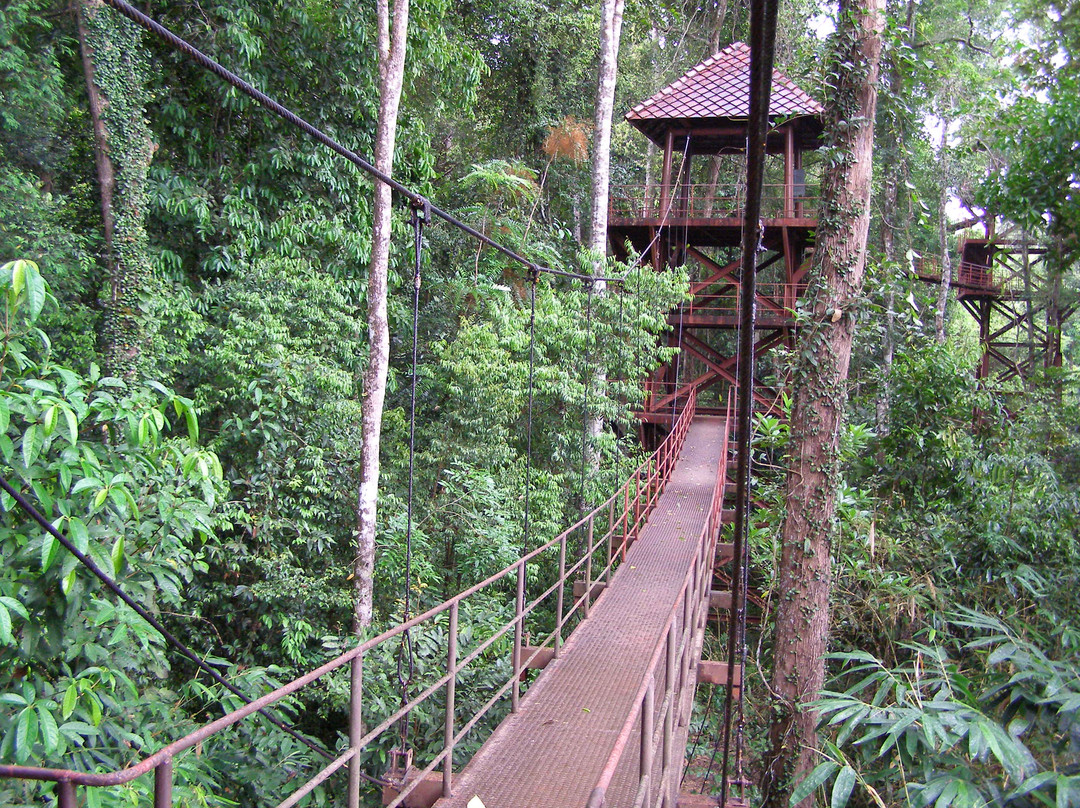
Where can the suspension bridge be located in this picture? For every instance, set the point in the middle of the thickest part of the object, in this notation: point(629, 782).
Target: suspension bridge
point(603, 662)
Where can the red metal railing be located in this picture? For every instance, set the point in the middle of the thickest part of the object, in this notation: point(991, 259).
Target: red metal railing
point(707, 201)
point(678, 649)
point(606, 532)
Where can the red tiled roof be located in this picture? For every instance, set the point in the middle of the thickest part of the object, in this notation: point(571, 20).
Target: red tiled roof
point(719, 87)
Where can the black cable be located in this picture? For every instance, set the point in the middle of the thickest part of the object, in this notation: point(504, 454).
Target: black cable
point(534, 277)
point(168, 636)
point(763, 14)
point(200, 58)
point(585, 398)
point(420, 216)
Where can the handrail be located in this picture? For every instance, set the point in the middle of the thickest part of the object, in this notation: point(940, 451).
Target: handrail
point(621, 521)
point(710, 201)
point(674, 646)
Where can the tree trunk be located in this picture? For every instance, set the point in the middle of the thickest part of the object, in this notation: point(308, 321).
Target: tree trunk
point(716, 35)
point(115, 68)
point(610, 32)
point(820, 377)
point(942, 304)
point(611, 19)
point(391, 77)
point(895, 219)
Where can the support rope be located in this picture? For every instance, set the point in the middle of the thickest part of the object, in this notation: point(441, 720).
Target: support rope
point(534, 278)
point(405, 657)
point(585, 397)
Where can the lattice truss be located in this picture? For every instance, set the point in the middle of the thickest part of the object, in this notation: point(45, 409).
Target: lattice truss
point(1008, 288)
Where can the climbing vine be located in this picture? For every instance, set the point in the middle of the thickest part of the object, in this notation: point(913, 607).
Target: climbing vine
point(119, 72)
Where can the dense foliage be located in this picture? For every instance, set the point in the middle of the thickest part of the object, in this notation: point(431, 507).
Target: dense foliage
point(215, 476)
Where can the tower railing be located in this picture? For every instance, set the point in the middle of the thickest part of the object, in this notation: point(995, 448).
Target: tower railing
point(709, 201)
point(590, 550)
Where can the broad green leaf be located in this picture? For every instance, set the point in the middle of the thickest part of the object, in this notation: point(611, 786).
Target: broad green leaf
point(117, 556)
point(50, 734)
point(68, 582)
point(50, 548)
point(72, 425)
point(49, 420)
point(821, 773)
point(841, 791)
point(31, 444)
point(35, 290)
point(16, 607)
point(6, 637)
point(85, 483)
point(79, 534)
point(5, 413)
point(71, 698)
point(18, 278)
point(26, 733)
point(192, 424)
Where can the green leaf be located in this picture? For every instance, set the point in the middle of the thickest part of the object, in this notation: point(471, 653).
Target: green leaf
point(18, 278)
point(117, 556)
point(16, 607)
point(72, 425)
point(5, 413)
point(31, 444)
point(85, 483)
point(50, 547)
point(26, 733)
point(50, 733)
point(68, 582)
point(35, 290)
point(841, 791)
point(50, 419)
point(71, 699)
point(821, 773)
point(6, 637)
point(192, 424)
point(79, 534)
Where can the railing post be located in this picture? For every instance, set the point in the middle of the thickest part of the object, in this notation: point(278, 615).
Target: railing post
point(559, 595)
point(588, 569)
point(637, 503)
point(648, 719)
point(163, 784)
point(625, 516)
point(519, 627)
point(66, 794)
point(451, 684)
point(610, 539)
point(669, 716)
point(356, 727)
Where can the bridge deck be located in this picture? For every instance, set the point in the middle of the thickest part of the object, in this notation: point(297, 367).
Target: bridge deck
point(551, 752)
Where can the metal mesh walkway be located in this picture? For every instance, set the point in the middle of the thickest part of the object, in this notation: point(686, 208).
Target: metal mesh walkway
point(552, 751)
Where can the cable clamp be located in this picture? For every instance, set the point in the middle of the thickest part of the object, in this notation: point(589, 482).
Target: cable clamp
point(534, 273)
point(421, 208)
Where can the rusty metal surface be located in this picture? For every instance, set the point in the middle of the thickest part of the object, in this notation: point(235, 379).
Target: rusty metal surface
point(552, 751)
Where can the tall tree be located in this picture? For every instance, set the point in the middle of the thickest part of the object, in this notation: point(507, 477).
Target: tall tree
point(820, 376)
point(114, 66)
point(610, 34)
point(391, 46)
